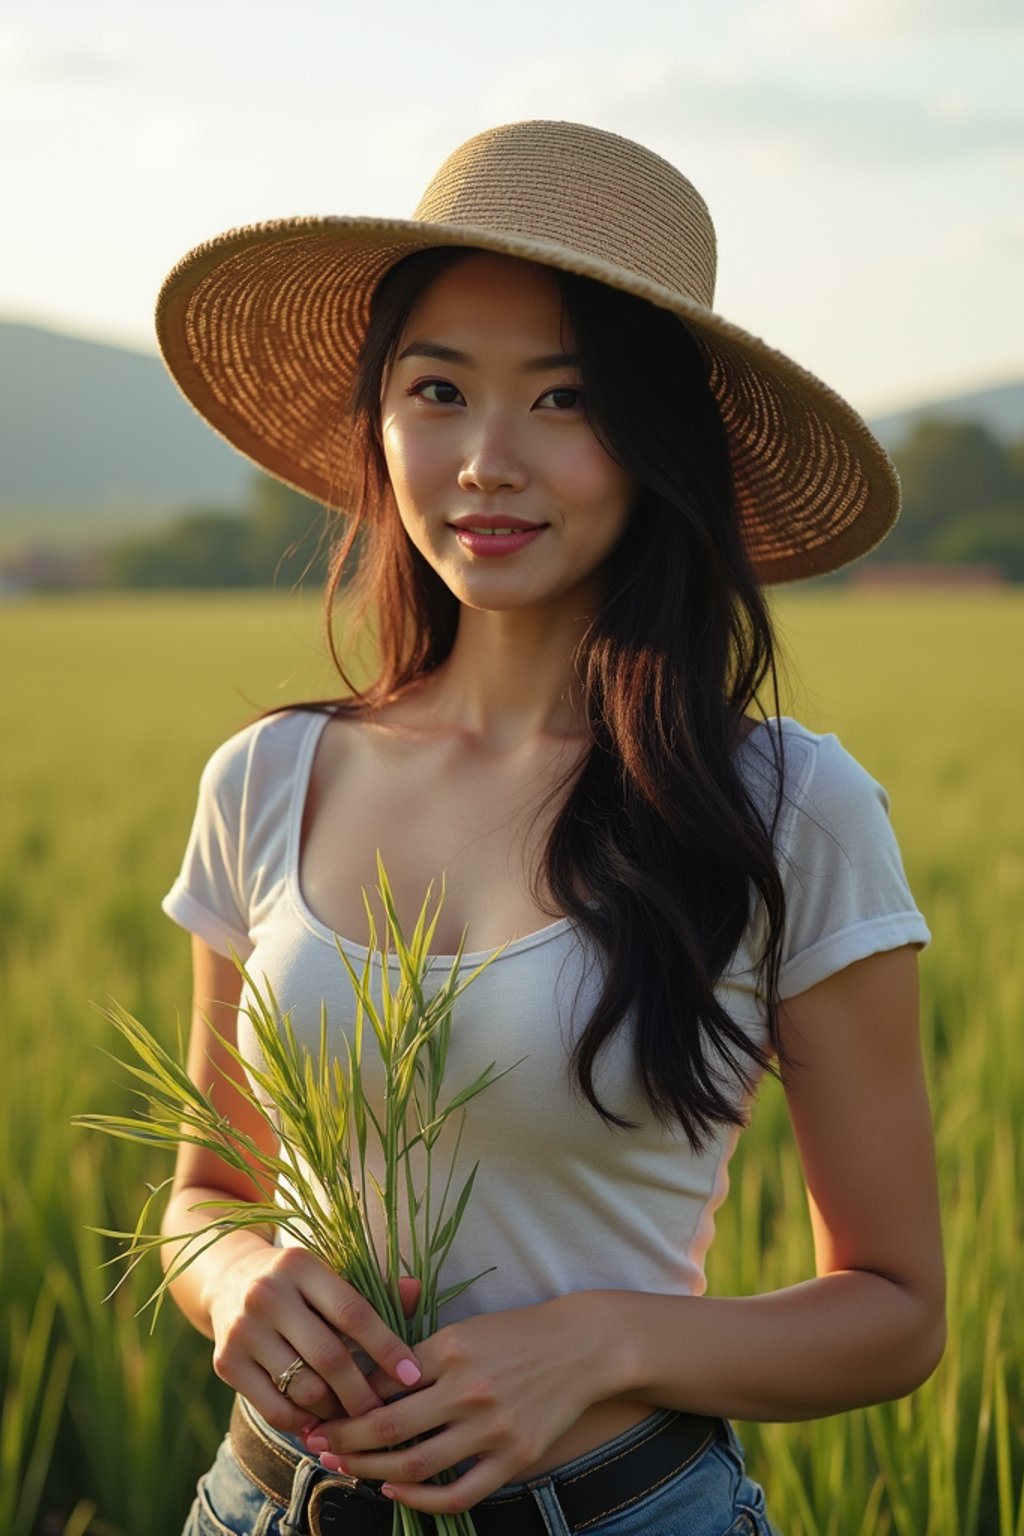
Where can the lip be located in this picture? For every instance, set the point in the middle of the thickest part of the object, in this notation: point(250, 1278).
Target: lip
point(492, 545)
point(494, 520)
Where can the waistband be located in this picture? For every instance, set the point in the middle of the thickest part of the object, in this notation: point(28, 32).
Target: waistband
point(588, 1489)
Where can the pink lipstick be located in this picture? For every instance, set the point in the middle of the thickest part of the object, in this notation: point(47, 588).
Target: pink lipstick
point(491, 544)
point(490, 534)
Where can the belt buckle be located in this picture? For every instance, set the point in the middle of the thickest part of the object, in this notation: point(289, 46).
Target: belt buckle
point(343, 1506)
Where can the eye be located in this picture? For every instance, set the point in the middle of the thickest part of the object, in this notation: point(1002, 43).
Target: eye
point(437, 391)
point(565, 397)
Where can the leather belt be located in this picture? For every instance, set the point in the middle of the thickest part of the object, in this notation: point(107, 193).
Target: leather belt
point(346, 1506)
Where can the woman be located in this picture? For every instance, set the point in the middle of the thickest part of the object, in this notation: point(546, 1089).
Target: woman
point(567, 481)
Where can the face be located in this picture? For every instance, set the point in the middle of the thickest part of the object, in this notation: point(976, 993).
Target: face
point(484, 427)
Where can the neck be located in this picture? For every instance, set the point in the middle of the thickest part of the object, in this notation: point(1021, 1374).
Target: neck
point(509, 679)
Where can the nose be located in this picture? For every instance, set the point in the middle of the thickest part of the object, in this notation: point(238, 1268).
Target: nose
point(492, 461)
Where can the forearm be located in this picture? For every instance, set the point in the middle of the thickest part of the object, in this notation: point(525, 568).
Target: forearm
point(193, 1287)
point(830, 1344)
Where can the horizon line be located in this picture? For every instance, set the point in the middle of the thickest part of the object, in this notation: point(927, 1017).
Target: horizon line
point(124, 342)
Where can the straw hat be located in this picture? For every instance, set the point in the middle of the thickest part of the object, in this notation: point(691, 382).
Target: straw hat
point(262, 326)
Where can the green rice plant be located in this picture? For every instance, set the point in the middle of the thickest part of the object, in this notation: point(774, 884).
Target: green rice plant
point(30, 1417)
point(326, 1129)
point(112, 708)
point(121, 1374)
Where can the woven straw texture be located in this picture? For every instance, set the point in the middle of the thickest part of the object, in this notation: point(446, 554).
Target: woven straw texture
point(262, 327)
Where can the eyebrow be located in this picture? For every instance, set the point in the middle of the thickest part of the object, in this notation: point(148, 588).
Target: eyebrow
point(434, 349)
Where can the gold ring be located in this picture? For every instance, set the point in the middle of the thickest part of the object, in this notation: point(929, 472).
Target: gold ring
point(284, 1381)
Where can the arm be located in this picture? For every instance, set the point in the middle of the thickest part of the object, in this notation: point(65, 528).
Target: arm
point(198, 1175)
point(262, 1305)
point(869, 1327)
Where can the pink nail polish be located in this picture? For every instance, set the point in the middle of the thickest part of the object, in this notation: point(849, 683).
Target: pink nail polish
point(408, 1372)
point(331, 1463)
point(317, 1443)
point(387, 1490)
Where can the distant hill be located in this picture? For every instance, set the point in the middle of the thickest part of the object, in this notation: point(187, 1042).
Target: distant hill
point(96, 441)
point(97, 427)
point(1001, 409)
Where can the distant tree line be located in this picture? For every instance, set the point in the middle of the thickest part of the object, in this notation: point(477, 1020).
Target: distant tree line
point(963, 501)
point(963, 498)
point(279, 540)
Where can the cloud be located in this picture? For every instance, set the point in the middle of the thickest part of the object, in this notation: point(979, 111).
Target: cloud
point(730, 108)
point(28, 60)
point(886, 19)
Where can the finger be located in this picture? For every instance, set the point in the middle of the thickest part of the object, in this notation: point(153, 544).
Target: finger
point(461, 1493)
point(409, 1289)
point(387, 1389)
point(329, 1366)
point(306, 1389)
point(392, 1423)
point(327, 1382)
point(251, 1358)
point(349, 1313)
point(253, 1383)
point(405, 1464)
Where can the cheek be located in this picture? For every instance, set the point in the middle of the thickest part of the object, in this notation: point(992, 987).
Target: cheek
point(417, 467)
point(590, 479)
point(396, 457)
point(409, 467)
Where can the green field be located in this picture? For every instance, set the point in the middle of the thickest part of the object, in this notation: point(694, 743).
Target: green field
point(110, 707)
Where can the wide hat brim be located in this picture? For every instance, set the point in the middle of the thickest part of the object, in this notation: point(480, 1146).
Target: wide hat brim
point(262, 327)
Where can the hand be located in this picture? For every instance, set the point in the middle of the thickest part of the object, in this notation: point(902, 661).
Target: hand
point(273, 1305)
point(497, 1389)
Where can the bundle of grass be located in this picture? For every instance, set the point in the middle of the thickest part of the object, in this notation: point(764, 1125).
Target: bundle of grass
point(325, 1130)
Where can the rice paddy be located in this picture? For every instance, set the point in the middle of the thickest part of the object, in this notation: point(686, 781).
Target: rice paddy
point(110, 708)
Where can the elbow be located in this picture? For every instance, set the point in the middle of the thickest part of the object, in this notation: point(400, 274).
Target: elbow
point(911, 1342)
point(925, 1347)
point(905, 1366)
point(933, 1349)
point(934, 1331)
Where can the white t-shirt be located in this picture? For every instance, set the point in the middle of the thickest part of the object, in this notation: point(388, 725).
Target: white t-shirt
point(563, 1201)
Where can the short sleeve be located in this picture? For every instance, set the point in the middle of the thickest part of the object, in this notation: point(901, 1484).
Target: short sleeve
point(847, 895)
point(208, 897)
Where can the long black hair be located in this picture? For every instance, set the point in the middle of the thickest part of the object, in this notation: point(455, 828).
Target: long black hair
point(659, 852)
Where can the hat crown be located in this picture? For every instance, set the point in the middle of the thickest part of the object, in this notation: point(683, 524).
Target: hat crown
point(584, 192)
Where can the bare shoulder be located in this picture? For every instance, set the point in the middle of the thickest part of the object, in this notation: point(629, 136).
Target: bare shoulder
point(354, 748)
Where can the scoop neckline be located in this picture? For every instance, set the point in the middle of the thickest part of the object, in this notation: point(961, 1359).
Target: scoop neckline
point(300, 790)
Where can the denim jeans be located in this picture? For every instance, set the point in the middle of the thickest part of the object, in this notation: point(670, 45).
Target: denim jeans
point(710, 1496)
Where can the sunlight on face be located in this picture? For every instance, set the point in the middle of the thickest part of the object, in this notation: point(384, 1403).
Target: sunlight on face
point(483, 418)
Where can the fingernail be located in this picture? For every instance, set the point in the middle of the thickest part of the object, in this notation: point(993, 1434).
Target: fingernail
point(318, 1443)
point(387, 1490)
point(331, 1463)
point(307, 1429)
point(408, 1372)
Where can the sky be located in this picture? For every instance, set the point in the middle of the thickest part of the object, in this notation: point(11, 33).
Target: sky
point(863, 160)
